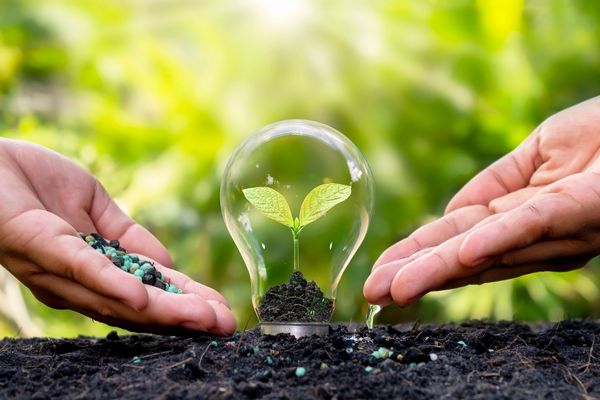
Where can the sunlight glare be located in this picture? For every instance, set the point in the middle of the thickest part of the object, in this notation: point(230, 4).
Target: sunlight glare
point(282, 13)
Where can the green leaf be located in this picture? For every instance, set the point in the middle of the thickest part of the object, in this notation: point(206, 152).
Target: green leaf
point(322, 199)
point(271, 204)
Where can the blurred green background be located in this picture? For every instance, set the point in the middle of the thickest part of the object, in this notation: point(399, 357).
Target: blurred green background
point(153, 96)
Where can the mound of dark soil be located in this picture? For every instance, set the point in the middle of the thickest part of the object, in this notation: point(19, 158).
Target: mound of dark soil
point(295, 301)
point(475, 360)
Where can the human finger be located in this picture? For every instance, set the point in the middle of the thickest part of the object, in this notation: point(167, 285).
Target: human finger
point(509, 173)
point(434, 233)
point(429, 272)
point(50, 243)
point(165, 311)
point(433, 269)
point(187, 284)
point(547, 216)
point(226, 322)
point(550, 251)
point(514, 199)
point(377, 286)
point(501, 273)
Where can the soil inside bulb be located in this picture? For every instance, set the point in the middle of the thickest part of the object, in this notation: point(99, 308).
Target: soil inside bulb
point(295, 301)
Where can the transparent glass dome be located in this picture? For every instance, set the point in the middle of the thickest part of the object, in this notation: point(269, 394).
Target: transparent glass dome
point(296, 195)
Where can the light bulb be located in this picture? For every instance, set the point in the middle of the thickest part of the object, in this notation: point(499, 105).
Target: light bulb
point(296, 197)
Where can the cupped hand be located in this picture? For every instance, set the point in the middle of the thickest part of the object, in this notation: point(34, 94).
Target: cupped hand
point(535, 209)
point(44, 201)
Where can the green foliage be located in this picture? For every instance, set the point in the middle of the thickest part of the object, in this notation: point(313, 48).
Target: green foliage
point(317, 202)
point(152, 97)
point(271, 204)
point(320, 200)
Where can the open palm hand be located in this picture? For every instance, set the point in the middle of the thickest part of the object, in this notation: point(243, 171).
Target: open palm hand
point(535, 209)
point(45, 200)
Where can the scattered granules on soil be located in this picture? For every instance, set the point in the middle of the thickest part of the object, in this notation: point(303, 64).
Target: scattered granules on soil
point(473, 360)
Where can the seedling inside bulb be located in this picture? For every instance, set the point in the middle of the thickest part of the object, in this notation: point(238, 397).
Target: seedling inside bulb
point(304, 155)
point(319, 200)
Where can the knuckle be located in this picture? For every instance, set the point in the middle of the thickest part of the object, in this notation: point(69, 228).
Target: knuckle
point(537, 220)
point(416, 241)
point(451, 223)
point(436, 254)
point(534, 211)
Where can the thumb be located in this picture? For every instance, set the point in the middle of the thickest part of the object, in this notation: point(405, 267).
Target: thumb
point(510, 173)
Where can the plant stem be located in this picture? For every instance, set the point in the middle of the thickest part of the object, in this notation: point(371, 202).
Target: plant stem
point(296, 250)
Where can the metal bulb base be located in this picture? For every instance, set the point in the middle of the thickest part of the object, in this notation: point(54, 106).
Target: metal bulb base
point(296, 329)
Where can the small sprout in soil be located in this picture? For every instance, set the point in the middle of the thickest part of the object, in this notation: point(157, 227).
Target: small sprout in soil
point(136, 360)
point(295, 301)
point(270, 203)
point(269, 360)
point(143, 270)
point(412, 364)
point(433, 357)
point(323, 366)
point(256, 349)
point(214, 343)
point(368, 369)
point(462, 343)
point(300, 371)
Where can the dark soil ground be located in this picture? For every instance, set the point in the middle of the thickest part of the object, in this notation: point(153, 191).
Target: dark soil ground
point(473, 360)
point(295, 301)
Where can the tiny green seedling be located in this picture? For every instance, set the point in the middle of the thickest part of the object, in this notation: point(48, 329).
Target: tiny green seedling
point(317, 202)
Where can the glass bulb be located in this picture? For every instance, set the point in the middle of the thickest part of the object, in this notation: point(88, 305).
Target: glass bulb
point(296, 196)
